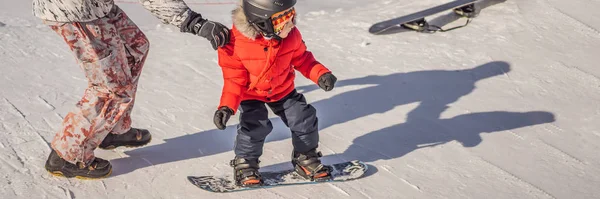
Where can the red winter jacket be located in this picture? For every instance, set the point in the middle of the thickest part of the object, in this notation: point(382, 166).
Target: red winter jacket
point(261, 69)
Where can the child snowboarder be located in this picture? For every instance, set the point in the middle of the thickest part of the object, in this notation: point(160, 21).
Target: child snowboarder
point(258, 69)
point(111, 50)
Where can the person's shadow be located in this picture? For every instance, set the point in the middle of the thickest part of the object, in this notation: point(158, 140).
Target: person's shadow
point(423, 126)
point(433, 90)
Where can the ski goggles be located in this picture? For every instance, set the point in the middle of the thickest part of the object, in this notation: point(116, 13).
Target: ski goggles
point(281, 18)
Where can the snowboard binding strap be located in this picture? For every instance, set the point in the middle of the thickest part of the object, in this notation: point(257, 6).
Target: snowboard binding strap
point(310, 167)
point(467, 11)
point(421, 25)
point(246, 172)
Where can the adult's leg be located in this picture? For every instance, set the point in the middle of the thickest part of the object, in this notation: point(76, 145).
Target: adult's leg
point(109, 96)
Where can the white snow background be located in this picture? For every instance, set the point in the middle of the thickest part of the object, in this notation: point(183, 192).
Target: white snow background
point(507, 107)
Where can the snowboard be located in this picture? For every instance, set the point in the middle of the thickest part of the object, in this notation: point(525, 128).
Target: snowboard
point(222, 184)
point(418, 18)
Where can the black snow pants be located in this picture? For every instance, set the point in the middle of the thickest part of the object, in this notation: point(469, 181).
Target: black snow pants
point(255, 125)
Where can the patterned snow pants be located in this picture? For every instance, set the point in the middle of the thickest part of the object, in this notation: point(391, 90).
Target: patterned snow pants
point(111, 51)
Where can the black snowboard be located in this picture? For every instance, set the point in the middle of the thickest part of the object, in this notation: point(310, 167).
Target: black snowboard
point(383, 26)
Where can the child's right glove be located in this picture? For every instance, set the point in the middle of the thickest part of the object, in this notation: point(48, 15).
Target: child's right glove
point(222, 116)
point(327, 81)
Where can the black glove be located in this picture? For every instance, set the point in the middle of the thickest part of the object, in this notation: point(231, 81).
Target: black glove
point(327, 81)
point(215, 32)
point(222, 116)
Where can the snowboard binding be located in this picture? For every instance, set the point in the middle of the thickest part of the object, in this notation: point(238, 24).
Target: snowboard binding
point(419, 25)
point(245, 172)
point(310, 167)
point(467, 11)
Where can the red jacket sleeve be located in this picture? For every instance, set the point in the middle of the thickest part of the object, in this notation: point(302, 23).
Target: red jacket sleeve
point(304, 61)
point(235, 78)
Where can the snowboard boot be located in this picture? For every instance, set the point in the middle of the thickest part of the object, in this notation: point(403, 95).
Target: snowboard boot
point(246, 172)
point(466, 11)
point(57, 166)
point(132, 138)
point(309, 166)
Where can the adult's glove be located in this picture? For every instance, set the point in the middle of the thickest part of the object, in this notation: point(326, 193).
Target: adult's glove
point(215, 32)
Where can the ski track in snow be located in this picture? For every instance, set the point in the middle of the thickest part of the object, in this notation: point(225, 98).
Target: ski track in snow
point(68, 193)
point(579, 70)
point(46, 103)
point(518, 178)
point(572, 18)
point(564, 154)
point(28, 122)
point(339, 190)
point(516, 135)
point(15, 167)
point(15, 108)
point(385, 167)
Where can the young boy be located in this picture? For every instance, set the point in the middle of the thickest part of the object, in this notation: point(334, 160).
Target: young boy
point(258, 68)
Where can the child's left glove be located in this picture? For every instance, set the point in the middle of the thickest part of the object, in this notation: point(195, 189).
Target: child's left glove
point(215, 32)
point(327, 81)
point(222, 116)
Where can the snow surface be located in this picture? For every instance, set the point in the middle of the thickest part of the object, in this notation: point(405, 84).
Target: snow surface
point(507, 107)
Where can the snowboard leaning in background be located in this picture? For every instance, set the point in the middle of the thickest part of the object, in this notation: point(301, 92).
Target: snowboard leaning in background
point(339, 172)
point(416, 21)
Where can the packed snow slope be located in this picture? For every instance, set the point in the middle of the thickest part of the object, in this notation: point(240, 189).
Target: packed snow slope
point(507, 107)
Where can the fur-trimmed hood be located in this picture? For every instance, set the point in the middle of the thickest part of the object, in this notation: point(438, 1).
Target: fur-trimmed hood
point(240, 21)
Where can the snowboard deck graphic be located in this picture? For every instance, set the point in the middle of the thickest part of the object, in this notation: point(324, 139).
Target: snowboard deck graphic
point(221, 184)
